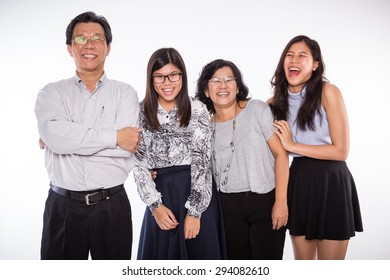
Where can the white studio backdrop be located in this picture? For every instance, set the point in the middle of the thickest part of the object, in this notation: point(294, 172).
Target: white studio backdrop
point(354, 36)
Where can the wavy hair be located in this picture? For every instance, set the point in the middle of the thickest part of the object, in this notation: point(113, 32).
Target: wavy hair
point(208, 72)
point(313, 87)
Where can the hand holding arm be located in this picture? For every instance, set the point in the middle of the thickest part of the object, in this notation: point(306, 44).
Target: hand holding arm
point(129, 138)
point(336, 114)
point(282, 129)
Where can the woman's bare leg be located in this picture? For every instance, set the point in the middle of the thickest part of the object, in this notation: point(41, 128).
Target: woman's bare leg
point(304, 249)
point(319, 249)
point(332, 249)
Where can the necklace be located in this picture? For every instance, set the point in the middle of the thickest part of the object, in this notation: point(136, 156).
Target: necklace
point(218, 169)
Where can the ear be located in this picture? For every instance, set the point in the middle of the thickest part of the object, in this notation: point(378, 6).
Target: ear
point(108, 49)
point(69, 47)
point(207, 93)
point(315, 65)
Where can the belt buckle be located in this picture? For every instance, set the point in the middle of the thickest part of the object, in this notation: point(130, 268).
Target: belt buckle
point(87, 198)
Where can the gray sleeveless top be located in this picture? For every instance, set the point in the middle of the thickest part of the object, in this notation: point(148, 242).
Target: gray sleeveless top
point(319, 136)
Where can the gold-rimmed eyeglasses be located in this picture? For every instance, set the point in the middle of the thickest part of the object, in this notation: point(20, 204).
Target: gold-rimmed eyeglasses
point(95, 39)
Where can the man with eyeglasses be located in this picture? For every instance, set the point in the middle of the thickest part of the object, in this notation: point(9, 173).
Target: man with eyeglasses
point(88, 127)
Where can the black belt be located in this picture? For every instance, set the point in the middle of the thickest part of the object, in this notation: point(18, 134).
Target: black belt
point(89, 197)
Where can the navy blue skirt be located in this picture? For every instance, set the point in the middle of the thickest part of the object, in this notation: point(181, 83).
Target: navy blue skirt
point(174, 183)
point(323, 200)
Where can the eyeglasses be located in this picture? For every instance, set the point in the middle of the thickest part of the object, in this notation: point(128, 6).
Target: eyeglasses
point(226, 80)
point(95, 39)
point(173, 77)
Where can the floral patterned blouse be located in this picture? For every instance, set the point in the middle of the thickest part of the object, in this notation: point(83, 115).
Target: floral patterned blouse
point(173, 145)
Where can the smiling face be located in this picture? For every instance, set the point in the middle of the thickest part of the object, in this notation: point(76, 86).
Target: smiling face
point(168, 91)
point(222, 91)
point(89, 58)
point(299, 66)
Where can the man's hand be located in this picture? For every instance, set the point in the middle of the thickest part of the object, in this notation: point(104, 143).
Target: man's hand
point(128, 138)
point(42, 144)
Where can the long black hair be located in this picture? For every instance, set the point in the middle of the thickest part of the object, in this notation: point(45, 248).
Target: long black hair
point(158, 60)
point(314, 87)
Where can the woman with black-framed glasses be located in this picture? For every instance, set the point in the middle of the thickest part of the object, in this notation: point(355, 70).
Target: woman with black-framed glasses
point(183, 219)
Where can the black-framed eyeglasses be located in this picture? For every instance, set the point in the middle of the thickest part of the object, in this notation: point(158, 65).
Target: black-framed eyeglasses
point(227, 80)
point(173, 77)
point(95, 39)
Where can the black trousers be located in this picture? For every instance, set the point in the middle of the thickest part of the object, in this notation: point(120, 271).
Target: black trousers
point(248, 226)
point(72, 230)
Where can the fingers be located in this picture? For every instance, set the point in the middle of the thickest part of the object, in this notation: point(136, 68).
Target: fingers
point(167, 221)
point(135, 148)
point(129, 138)
point(165, 218)
point(154, 174)
point(137, 140)
point(171, 218)
point(191, 234)
point(282, 130)
point(278, 223)
point(41, 144)
point(280, 127)
point(191, 227)
point(168, 224)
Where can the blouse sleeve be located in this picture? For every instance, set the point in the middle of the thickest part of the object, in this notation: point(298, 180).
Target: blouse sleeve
point(201, 176)
point(264, 118)
point(146, 186)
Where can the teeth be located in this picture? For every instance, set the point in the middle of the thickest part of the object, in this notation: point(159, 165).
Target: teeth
point(222, 93)
point(89, 55)
point(294, 69)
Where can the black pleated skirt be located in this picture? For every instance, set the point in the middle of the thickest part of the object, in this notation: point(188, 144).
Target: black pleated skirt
point(323, 200)
point(174, 183)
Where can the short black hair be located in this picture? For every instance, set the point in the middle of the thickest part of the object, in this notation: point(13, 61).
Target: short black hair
point(207, 73)
point(89, 17)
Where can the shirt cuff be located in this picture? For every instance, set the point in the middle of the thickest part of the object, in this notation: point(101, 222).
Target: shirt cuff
point(194, 213)
point(155, 205)
point(109, 137)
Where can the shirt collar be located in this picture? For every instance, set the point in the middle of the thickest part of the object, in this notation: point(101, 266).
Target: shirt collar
point(76, 78)
point(164, 116)
point(162, 111)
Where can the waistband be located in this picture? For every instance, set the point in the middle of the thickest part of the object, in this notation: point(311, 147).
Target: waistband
point(172, 169)
point(89, 197)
